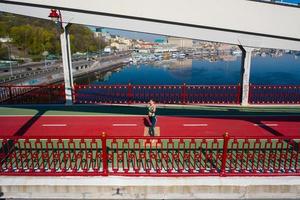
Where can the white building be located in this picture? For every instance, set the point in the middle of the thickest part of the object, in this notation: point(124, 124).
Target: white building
point(126, 41)
point(5, 40)
point(119, 46)
point(165, 48)
point(107, 49)
point(180, 42)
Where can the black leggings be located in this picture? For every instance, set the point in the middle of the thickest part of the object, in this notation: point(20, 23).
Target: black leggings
point(152, 119)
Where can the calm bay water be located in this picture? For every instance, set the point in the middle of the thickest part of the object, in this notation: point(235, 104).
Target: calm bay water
point(224, 70)
point(284, 70)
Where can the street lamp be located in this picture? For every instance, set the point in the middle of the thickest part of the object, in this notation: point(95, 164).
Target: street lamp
point(63, 27)
point(56, 17)
point(9, 57)
point(45, 54)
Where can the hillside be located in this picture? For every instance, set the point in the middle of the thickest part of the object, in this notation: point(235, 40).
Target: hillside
point(32, 36)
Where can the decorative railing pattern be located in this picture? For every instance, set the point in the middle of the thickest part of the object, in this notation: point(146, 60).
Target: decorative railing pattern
point(135, 94)
point(146, 156)
point(32, 94)
point(269, 94)
point(166, 94)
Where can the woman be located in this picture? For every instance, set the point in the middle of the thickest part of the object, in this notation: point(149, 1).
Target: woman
point(152, 116)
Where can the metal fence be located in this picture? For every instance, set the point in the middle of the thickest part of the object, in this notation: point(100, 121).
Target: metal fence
point(166, 94)
point(270, 94)
point(150, 156)
point(32, 94)
point(135, 94)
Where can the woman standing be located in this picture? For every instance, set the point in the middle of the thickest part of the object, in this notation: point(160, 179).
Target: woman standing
point(152, 116)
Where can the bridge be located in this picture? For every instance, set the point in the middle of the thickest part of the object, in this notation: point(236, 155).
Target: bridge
point(189, 141)
point(249, 24)
point(43, 148)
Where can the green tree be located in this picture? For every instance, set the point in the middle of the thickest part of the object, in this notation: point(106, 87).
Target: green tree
point(21, 36)
point(4, 29)
point(33, 36)
point(34, 40)
point(3, 52)
point(83, 39)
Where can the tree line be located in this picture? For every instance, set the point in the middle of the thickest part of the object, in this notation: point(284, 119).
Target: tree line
point(32, 36)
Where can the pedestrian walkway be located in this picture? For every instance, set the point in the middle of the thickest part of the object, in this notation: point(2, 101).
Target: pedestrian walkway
point(133, 121)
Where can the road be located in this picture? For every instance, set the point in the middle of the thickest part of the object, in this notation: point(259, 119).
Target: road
point(80, 66)
point(135, 125)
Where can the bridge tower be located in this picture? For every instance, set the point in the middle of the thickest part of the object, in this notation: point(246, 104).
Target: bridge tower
point(63, 28)
point(67, 63)
point(245, 74)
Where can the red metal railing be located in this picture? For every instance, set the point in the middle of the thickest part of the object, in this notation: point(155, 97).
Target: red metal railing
point(145, 156)
point(270, 94)
point(32, 94)
point(167, 94)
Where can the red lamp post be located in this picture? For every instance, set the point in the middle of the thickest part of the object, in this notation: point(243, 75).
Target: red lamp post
point(54, 15)
point(63, 29)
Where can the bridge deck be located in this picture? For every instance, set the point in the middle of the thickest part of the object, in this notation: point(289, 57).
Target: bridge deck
point(132, 121)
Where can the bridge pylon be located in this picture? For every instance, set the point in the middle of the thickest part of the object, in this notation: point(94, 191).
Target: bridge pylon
point(67, 62)
point(245, 74)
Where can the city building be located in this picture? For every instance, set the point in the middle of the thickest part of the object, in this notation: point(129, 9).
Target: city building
point(103, 33)
point(107, 49)
point(126, 41)
point(160, 41)
point(5, 39)
point(119, 46)
point(180, 42)
point(165, 48)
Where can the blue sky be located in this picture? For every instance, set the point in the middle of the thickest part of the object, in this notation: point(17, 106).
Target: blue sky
point(131, 34)
point(291, 1)
point(135, 35)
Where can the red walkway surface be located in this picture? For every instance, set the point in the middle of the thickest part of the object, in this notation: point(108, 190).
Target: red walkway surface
point(134, 126)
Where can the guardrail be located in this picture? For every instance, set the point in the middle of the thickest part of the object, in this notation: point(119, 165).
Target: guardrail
point(274, 94)
point(165, 94)
point(150, 156)
point(28, 74)
point(32, 94)
point(185, 94)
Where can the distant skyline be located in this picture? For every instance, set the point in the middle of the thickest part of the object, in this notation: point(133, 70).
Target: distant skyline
point(133, 35)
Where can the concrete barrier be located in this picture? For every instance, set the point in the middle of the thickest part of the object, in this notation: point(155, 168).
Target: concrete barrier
point(150, 187)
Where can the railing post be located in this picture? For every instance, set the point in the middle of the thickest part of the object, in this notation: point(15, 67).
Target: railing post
point(129, 93)
point(239, 94)
point(74, 93)
point(104, 154)
point(224, 156)
point(183, 94)
point(250, 93)
point(10, 93)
